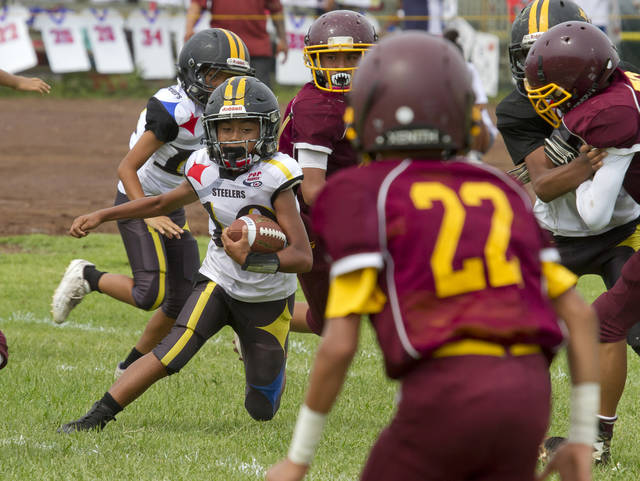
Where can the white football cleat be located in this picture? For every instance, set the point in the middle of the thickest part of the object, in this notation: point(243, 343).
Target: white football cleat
point(72, 288)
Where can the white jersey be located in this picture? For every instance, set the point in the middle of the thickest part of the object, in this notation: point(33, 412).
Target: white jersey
point(177, 120)
point(561, 215)
point(597, 205)
point(63, 41)
point(16, 50)
point(105, 29)
point(152, 43)
point(226, 199)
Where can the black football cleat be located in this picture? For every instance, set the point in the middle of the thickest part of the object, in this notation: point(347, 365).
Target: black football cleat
point(549, 447)
point(96, 419)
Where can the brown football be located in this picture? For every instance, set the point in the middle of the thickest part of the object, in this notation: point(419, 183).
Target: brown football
point(265, 235)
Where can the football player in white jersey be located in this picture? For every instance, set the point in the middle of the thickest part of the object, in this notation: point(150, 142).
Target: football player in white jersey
point(162, 252)
point(239, 172)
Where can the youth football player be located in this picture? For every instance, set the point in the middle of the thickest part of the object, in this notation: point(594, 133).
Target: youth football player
point(463, 291)
point(239, 172)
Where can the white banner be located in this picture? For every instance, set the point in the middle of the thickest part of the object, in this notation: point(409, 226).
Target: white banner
point(62, 37)
point(105, 28)
point(16, 49)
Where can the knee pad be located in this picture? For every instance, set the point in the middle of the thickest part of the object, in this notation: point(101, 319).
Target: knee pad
point(258, 406)
point(146, 289)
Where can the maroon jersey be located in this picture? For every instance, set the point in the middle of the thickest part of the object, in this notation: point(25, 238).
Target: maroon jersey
point(458, 252)
point(4, 351)
point(612, 119)
point(314, 120)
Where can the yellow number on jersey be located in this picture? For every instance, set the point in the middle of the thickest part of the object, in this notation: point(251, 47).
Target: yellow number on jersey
point(470, 277)
point(634, 78)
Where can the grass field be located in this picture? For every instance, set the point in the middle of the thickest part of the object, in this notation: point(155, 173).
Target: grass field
point(192, 425)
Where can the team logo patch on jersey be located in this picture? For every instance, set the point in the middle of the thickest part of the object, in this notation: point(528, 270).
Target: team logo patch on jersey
point(195, 172)
point(253, 179)
point(190, 124)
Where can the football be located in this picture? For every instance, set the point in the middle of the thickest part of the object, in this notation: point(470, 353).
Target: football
point(265, 235)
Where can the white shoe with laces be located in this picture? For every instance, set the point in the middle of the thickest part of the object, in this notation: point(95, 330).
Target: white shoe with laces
point(72, 288)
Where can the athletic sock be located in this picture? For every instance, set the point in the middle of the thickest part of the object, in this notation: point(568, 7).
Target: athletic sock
point(605, 425)
point(111, 403)
point(92, 276)
point(133, 356)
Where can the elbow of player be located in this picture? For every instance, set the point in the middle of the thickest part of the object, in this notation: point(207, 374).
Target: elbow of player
point(305, 263)
point(594, 222)
point(310, 193)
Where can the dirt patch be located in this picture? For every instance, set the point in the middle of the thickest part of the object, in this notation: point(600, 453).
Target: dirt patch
point(58, 159)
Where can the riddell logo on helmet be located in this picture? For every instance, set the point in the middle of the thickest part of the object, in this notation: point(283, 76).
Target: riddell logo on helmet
point(238, 62)
point(411, 137)
point(232, 109)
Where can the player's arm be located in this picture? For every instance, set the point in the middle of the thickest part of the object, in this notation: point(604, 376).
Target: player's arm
point(193, 14)
point(573, 460)
point(549, 181)
point(595, 199)
point(161, 128)
point(136, 209)
point(282, 45)
point(146, 145)
point(314, 169)
point(295, 257)
point(25, 84)
point(333, 358)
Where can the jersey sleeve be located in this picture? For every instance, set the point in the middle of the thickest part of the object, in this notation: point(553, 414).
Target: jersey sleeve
point(344, 217)
point(316, 125)
point(160, 121)
point(355, 292)
point(273, 6)
point(285, 173)
point(614, 126)
point(558, 279)
point(522, 129)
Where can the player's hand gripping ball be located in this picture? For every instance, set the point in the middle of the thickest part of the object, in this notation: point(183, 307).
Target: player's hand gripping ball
point(265, 235)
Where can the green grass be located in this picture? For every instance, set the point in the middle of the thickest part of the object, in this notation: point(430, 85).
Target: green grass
point(192, 425)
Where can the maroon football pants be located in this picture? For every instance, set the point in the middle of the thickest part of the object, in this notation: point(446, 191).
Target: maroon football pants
point(619, 308)
point(315, 283)
point(477, 418)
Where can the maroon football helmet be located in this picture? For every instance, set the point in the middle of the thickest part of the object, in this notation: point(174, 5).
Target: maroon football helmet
point(566, 66)
point(335, 32)
point(411, 92)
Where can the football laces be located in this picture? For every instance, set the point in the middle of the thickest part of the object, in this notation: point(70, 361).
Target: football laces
point(268, 231)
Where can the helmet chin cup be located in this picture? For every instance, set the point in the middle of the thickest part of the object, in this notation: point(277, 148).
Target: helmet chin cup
point(235, 157)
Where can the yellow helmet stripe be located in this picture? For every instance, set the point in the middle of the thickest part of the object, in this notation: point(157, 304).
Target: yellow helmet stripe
point(228, 92)
point(544, 16)
point(241, 52)
point(242, 84)
point(533, 13)
point(232, 43)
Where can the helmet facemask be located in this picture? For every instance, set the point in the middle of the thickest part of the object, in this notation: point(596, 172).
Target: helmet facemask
point(236, 155)
point(333, 79)
point(548, 100)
